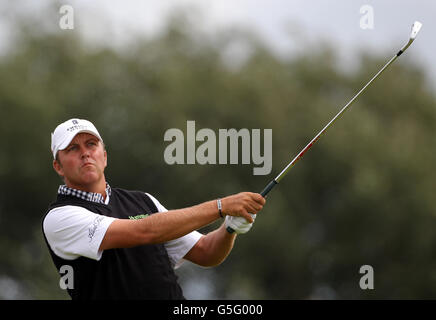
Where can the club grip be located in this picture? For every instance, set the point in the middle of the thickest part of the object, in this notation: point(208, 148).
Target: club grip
point(268, 188)
point(263, 194)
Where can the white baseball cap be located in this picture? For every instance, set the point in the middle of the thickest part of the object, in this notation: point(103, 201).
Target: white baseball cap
point(66, 131)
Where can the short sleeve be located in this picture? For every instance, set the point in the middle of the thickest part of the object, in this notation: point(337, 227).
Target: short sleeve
point(179, 247)
point(73, 231)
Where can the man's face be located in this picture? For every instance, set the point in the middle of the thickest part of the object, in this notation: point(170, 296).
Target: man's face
point(82, 163)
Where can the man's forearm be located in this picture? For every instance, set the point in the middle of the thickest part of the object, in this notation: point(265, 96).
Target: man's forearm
point(159, 227)
point(174, 224)
point(212, 249)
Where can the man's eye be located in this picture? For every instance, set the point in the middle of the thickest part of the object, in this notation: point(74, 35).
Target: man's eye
point(92, 143)
point(72, 148)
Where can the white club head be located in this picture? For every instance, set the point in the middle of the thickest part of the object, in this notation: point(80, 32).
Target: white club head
point(415, 29)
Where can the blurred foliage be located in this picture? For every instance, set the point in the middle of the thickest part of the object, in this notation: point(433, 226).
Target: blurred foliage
point(362, 196)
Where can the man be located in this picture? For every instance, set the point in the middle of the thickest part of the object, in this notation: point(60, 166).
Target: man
point(124, 244)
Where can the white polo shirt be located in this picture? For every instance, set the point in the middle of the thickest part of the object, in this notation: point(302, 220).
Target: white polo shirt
point(73, 231)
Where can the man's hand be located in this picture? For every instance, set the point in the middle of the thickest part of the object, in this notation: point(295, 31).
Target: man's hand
point(244, 204)
point(239, 224)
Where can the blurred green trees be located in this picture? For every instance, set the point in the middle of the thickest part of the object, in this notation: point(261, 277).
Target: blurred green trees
point(362, 196)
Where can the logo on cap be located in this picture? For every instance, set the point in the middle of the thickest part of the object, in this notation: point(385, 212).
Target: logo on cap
point(66, 131)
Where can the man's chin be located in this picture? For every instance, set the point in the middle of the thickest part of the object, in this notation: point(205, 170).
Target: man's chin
point(89, 179)
point(92, 178)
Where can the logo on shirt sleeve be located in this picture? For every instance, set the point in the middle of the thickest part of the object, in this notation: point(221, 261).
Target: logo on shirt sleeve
point(93, 227)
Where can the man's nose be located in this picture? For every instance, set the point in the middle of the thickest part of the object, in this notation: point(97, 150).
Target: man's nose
point(84, 153)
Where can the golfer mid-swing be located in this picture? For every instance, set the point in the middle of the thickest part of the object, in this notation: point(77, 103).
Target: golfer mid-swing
point(124, 244)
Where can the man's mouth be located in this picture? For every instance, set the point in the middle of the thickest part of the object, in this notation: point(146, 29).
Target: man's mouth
point(87, 164)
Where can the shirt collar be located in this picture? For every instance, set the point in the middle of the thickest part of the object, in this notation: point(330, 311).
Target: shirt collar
point(84, 195)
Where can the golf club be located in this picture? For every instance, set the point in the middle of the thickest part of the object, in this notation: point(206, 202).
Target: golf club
point(415, 29)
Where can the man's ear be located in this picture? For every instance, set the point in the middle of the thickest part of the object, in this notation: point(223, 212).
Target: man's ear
point(58, 167)
point(105, 158)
